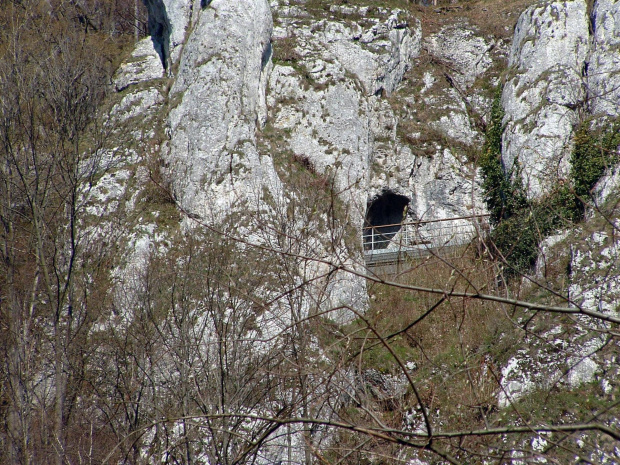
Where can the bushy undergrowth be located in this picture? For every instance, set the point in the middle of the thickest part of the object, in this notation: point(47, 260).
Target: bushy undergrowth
point(454, 351)
point(444, 337)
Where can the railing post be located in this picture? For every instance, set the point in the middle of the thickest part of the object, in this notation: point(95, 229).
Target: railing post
point(372, 241)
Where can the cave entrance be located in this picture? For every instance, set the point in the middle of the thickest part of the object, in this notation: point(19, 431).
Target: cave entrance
point(384, 216)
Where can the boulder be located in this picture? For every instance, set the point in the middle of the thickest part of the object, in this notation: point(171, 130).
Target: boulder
point(544, 92)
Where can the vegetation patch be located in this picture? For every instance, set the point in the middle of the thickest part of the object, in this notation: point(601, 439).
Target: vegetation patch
point(284, 51)
point(596, 150)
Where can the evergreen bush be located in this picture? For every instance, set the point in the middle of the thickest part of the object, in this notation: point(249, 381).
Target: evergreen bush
point(594, 152)
point(503, 192)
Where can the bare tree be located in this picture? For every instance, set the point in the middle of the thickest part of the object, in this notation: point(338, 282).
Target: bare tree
point(53, 76)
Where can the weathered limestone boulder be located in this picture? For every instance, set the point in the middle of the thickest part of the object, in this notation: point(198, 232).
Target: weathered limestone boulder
point(544, 92)
point(217, 103)
point(604, 60)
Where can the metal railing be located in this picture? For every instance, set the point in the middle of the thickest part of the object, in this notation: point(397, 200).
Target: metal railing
point(390, 242)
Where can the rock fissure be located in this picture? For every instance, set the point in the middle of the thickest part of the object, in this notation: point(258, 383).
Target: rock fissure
point(160, 30)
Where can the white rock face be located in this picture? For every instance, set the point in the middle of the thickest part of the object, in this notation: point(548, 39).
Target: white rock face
point(604, 59)
point(326, 127)
point(180, 13)
point(338, 120)
point(378, 56)
point(331, 122)
point(547, 58)
point(217, 108)
point(553, 358)
point(219, 87)
point(137, 104)
point(327, 106)
point(440, 115)
point(465, 52)
point(595, 283)
point(444, 187)
point(394, 57)
point(608, 186)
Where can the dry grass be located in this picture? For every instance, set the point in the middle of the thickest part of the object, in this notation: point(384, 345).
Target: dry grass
point(454, 342)
point(492, 17)
point(455, 321)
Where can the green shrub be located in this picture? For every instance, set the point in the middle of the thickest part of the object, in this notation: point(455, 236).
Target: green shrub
point(594, 152)
point(503, 192)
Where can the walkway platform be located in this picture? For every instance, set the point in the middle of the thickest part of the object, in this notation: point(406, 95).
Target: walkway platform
point(395, 243)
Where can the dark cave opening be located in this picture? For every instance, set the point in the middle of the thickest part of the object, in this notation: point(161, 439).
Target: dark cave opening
point(384, 216)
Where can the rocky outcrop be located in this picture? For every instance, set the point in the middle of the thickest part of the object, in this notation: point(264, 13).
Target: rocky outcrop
point(572, 356)
point(444, 187)
point(561, 74)
point(603, 82)
point(324, 97)
point(330, 110)
point(545, 89)
point(437, 126)
point(217, 102)
point(206, 134)
point(143, 65)
point(329, 102)
point(380, 55)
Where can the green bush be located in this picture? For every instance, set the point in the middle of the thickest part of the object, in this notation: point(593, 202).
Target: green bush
point(503, 192)
point(594, 152)
point(516, 239)
point(516, 242)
